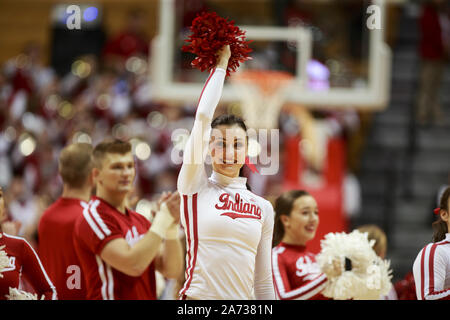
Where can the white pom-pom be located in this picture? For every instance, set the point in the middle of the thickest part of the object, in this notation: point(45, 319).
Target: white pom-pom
point(17, 294)
point(369, 277)
point(4, 260)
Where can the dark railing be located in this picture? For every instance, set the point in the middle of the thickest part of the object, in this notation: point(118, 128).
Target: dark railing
point(412, 145)
point(390, 193)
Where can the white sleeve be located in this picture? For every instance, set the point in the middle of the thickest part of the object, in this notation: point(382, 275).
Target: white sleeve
point(429, 273)
point(434, 284)
point(264, 289)
point(417, 275)
point(192, 174)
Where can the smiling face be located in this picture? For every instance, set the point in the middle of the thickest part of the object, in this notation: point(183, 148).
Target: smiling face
point(228, 148)
point(301, 225)
point(116, 173)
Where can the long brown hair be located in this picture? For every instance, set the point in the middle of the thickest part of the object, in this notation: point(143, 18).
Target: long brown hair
point(283, 206)
point(440, 227)
point(374, 232)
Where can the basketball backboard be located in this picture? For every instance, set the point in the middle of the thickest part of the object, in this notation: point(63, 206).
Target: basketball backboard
point(170, 82)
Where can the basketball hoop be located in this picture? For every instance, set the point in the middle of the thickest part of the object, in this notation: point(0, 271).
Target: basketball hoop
point(262, 94)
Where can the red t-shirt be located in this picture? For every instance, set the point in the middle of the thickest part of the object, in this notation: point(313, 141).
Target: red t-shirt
point(24, 262)
point(127, 44)
point(99, 224)
point(56, 249)
point(431, 44)
point(296, 274)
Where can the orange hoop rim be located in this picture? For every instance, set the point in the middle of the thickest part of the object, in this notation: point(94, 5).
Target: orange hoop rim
point(268, 81)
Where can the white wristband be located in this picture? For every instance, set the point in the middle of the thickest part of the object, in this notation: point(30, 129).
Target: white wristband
point(162, 221)
point(172, 232)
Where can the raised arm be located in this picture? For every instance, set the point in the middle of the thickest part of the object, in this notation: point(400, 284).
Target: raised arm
point(192, 174)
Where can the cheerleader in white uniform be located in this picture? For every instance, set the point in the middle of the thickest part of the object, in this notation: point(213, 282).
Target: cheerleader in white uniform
point(431, 268)
point(228, 228)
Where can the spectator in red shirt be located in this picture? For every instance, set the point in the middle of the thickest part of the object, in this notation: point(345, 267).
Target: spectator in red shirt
point(433, 54)
point(406, 287)
point(120, 249)
point(132, 41)
point(24, 264)
point(57, 223)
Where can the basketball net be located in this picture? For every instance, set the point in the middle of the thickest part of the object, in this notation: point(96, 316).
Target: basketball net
point(262, 93)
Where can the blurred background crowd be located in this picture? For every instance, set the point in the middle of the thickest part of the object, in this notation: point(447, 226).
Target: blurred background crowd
point(59, 86)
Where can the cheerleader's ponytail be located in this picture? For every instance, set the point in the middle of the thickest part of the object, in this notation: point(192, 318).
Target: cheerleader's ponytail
point(440, 227)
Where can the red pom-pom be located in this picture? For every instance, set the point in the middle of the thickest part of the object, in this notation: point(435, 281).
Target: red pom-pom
point(209, 34)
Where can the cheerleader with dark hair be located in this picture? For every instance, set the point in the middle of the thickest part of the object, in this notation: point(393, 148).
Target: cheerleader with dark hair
point(296, 273)
point(228, 228)
point(431, 268)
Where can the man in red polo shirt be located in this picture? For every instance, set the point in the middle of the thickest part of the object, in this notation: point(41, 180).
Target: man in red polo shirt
point(57, 223)
point(119, 249)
